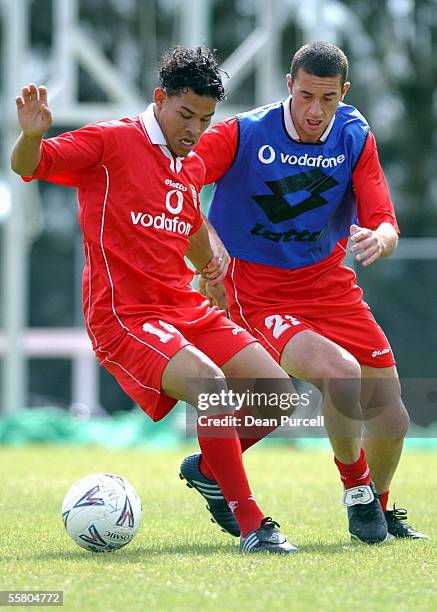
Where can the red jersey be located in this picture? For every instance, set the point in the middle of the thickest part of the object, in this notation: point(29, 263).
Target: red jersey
point(138, 206)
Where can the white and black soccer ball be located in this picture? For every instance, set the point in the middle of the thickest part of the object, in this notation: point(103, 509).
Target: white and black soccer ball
point(101, 512)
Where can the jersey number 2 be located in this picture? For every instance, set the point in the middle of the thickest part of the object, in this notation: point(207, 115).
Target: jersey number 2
point(279, 325)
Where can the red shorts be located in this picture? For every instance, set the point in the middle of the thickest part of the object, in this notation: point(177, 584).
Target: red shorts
point(282, 303)
point(138, 360)
point(359, 334)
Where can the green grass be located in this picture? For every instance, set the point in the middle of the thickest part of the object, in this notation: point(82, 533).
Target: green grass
point(181, 561)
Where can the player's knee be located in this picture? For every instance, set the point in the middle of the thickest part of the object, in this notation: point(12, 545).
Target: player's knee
point(390, 420)
point(344, 366)
point(343, 394)
point(318, 361)
point(209, 392)
point(208, 371)
point(189, 374)
point(208, 378)
point(342, 385)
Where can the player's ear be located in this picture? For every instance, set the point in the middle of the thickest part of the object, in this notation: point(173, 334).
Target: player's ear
point(344, 90)
point(159, 96)
point(289, 82)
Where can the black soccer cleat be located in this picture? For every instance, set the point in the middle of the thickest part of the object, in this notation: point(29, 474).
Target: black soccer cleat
point(267, 539)
point(210, 490)
point(398, 528)
point(366, 519)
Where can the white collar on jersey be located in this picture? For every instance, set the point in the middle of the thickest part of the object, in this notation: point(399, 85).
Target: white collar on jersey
point(289, 125)
point(156, 135)
point(152, 127)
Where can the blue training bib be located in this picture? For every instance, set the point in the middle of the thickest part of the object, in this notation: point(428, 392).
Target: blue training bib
point(285, 203)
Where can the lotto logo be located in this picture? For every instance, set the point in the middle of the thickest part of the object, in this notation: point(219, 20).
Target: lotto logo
point(237, 330)
point(170, 183)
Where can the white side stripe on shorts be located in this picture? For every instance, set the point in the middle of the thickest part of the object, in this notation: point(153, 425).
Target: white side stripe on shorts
point(269, 343)
point(132, 376)
point(236, 294)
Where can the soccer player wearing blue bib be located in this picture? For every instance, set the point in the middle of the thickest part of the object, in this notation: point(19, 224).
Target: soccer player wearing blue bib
point(294, 181)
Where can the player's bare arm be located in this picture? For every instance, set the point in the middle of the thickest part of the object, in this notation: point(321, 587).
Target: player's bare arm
point(216, 269)
point(35, 120)
point(373, 244)
point(208, 254)
point(199, 251)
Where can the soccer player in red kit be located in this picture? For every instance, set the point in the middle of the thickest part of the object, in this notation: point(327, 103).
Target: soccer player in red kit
point(293, 181)
point(138, 183)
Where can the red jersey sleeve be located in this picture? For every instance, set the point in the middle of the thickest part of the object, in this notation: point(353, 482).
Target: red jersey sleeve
point(371, 190)
point(218, 147)
point(66, 158)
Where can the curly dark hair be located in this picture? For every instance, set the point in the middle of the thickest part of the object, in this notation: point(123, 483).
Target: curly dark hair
point(196, 69)
point(320, 59)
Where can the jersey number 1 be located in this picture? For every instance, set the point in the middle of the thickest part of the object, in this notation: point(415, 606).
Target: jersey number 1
point(162, 335)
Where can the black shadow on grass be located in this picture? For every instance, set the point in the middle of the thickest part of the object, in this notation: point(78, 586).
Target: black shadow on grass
point(134, 554)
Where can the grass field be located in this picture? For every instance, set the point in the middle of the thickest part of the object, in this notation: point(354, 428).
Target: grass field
point(180, 561)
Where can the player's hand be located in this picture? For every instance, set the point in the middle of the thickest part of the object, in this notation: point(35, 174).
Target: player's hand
point(33, 112)
point(217, 267)
point(367, 244)
point(216, 294)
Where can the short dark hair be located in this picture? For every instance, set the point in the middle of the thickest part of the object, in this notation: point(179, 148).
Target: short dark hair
point(196, 69)
point(320, 59)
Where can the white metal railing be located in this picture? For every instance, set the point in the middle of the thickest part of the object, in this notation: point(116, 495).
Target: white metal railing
point(63, 343)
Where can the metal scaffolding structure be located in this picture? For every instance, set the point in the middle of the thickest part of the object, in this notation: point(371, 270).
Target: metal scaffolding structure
point(15, 251)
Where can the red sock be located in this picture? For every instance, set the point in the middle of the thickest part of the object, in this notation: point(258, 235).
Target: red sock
point(383, 500)
point(249, 435)
point(354, 474)
point(223, 454)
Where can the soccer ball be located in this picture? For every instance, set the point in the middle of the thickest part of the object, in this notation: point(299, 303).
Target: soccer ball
point(101, 512)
